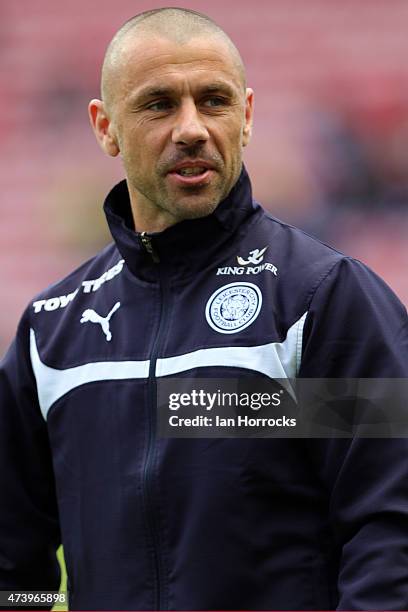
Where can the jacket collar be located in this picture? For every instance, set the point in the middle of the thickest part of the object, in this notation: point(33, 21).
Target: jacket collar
point(183, 247)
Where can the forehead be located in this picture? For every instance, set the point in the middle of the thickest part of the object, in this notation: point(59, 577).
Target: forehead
point(159, 61)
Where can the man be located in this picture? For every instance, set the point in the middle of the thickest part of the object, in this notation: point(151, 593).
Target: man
point(163, 523)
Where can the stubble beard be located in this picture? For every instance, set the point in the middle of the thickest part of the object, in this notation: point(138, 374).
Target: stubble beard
point(193, 202)
point(189, 203)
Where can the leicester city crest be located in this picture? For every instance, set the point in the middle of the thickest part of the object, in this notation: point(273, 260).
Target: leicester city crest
point(233, 307)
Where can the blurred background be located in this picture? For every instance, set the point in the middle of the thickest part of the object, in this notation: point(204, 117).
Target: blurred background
point(329, 151)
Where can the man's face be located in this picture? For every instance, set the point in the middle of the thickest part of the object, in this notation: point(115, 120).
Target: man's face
point(180, 117)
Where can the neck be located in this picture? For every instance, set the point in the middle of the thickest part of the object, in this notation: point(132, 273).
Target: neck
point(152, 223)
point(148, 217)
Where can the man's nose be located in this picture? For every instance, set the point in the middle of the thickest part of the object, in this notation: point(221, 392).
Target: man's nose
point(189, 127)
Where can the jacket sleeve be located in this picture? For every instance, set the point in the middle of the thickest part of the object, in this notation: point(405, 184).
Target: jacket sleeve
point(29, 531)
point(357, 328)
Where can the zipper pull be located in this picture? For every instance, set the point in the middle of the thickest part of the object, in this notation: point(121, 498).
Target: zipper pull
point(147, 243)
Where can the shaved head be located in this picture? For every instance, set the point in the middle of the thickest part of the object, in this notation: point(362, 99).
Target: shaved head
point(176, 24)
point(176, 108)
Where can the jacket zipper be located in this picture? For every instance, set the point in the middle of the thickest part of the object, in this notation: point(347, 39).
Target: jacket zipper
point(148, 471)
point(147, 243)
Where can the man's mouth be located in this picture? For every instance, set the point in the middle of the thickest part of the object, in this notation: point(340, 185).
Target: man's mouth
point(193, 171)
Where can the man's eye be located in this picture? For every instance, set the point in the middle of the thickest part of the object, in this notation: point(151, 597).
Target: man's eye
point(161, 105)
point(215, 101)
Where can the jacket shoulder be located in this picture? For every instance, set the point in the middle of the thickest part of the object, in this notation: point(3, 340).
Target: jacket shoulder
point(300, 243)
point(93, 271)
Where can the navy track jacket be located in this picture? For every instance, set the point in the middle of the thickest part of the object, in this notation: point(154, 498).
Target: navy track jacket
point(198, 524)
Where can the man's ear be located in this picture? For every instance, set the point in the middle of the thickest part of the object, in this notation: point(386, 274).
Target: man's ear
point(102, 127)
point(249, 113)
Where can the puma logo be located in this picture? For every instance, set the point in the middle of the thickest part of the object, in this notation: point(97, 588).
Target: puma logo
point(94, 317)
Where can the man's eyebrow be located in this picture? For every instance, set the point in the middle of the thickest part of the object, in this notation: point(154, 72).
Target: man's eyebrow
point(217, 87)
point(151, 92)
